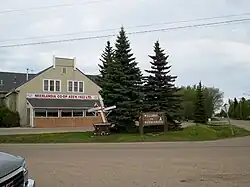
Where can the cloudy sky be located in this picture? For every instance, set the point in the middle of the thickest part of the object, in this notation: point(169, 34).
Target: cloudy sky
point(218, 56)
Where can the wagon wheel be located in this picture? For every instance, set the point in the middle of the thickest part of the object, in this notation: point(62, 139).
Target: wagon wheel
point(103, 133)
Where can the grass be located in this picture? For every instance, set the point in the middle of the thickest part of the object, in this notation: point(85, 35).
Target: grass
point(192, 133)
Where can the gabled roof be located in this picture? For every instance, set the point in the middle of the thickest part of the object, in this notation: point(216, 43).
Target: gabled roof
point(11, 80)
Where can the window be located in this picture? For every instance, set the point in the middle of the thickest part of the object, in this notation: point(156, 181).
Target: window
point(46, 85)
point(64, 70)
point(80, 86)
point(77, 113)
point(70, 86)
point(40, 113)
point(52, 113)
point(51, 85)
point(76, 86)
point(66, 113)
point(58, 86)
point(89, 114)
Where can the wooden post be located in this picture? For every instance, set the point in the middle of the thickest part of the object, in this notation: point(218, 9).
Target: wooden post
point(165, 123)
point(141, 124)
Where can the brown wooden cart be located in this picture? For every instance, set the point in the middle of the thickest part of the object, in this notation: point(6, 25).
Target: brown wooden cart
point(102, 129)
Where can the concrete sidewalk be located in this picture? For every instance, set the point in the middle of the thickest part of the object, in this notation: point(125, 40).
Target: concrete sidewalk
point(9, 131)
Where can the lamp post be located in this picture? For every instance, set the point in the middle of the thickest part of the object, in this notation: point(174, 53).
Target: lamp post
point(228, 119)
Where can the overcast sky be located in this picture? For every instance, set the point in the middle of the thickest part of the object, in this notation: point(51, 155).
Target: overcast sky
point(218, 56)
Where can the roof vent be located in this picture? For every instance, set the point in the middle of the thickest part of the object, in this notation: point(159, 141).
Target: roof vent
point(1, 82)
point(14, 80)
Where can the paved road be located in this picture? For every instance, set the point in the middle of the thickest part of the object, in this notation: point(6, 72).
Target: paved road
point(224, 163)
point(9, 131)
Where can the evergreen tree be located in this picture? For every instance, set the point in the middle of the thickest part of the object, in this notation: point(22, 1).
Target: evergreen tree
point(107, 69)
point(126, 85)
point(106, 58)
point(160, 93)
point(199, 113)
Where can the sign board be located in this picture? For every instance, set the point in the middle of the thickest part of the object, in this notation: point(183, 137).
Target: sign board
point(60, 96)
point(152, 119)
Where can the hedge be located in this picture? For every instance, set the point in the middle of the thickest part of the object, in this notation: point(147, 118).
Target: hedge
point(9, 118)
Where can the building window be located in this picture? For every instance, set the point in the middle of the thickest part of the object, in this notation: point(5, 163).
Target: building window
point(51, 85)
point(58, 86)
point(80, 84)
point(90, 114)
point(70, 86)
point(76, 86)
point(77, 113)
point(40, 113)
point(64, 70)
point(46, 85)
point(52, 113)
point(66, 113)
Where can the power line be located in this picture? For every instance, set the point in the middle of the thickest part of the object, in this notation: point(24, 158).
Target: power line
point(131, 33)
point(131, 27)
point(52, 6)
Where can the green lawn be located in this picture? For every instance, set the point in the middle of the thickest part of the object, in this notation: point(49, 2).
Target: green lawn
point(192, 133)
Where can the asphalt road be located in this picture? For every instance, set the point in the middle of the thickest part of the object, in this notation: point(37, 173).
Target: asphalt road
point(224, 163)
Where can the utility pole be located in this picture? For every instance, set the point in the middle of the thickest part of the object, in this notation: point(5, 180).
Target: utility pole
point(228, 119)
point(27, 74)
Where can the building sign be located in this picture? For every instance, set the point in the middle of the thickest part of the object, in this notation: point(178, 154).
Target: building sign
point(153, 118)
point(60, 96)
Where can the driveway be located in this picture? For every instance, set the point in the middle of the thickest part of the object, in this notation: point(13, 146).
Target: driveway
point(242, 124)
point(224, 163)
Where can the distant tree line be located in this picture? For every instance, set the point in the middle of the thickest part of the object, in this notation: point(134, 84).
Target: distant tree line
point(239, 109)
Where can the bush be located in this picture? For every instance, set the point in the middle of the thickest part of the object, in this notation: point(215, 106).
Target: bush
point(8, 118)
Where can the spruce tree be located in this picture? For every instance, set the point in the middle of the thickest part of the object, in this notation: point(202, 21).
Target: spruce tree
point(126, 81)
point(106, 58)
point(160, 92)
point(199, 112)
point(107, 69)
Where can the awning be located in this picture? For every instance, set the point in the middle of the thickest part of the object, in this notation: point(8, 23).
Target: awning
point(62, 103)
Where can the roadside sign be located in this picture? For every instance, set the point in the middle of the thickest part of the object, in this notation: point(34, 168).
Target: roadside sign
point(152, 119)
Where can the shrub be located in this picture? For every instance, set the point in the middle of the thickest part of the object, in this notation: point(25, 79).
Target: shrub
point(8, 118)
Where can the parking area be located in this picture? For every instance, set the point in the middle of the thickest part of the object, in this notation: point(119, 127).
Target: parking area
point(223, 163)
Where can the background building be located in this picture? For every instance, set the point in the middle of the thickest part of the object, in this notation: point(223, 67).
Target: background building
point(58, 96)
